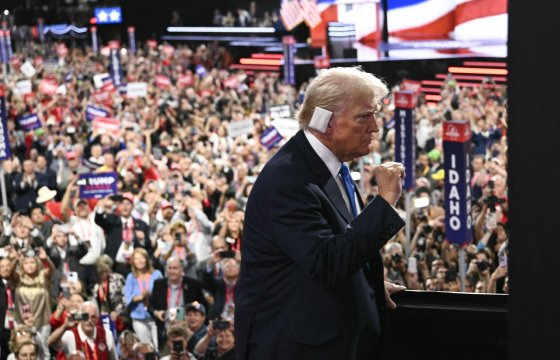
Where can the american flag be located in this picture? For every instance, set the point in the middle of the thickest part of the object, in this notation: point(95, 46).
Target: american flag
point(291, 14)
point(311, 13)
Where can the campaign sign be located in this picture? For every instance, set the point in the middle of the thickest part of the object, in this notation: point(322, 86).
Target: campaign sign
point(162, 81)
point(23, 87)
point(27, 69)
point(29, 122)
point(288, 43)
point(115, 67)
point(109, 126)
point(404, 143)
point(411, 85)
point(280, 111)
point(97, 185)
point(238, 128)
point(458, 218)
point(3, 51)
point(5, 151)
point(48, 87)
point(286, 127)
point(93, 112)
point(185, 80)
point(136, 89)
point(270, 137)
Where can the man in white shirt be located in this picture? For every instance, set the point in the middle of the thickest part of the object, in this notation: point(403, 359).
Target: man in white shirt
point(87, 336)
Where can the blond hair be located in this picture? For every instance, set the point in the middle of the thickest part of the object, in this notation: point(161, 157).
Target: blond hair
point(144, 253)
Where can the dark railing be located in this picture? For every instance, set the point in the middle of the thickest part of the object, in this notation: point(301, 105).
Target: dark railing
point(444, 325)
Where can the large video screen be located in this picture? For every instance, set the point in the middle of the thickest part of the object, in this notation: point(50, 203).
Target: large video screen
point(416, 28)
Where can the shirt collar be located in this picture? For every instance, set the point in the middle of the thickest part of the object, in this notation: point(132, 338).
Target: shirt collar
point(84, 336)
point(328, 157)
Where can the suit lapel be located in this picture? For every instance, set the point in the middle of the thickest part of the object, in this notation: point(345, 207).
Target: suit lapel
point(325, 180)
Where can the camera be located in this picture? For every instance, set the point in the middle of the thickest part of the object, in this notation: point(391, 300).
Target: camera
point(227, 254)
point(178, 346)
point(491, 201)
point(221, 324)
point(482, 265)
point(427, 229)
point(80, 316)
point(178, 237)
point(450, 276)
point(396, 257)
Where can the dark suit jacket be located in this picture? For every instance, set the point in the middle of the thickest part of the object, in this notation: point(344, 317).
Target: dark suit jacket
point(311, 281)
point(218, 288)
point(113, 227)
point(192, 291)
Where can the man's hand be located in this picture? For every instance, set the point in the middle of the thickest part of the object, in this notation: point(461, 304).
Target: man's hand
point(389, 178)
point(390, 289)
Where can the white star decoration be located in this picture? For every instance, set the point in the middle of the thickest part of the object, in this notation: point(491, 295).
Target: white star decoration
point(115, 15)
point(102, 15)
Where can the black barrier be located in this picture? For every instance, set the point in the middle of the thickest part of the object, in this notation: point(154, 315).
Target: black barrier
point(444, 325)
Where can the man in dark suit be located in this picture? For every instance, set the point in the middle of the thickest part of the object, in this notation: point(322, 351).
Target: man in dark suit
point(311, 283)
point(123, 232)
point(173, 292)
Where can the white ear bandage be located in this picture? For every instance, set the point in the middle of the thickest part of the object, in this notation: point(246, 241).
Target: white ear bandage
point(320, 119)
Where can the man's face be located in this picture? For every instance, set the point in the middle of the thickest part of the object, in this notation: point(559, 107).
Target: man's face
point(353, 128)
point(21, 230)
point(5, 268)
point(41, 162)
point(231, 269)
point(89, 325)
point(28, 166)
point(61, 239)
point(194, 319)
point(477, 164)
point(82, 210)
point(125, 208)
point(37, 216)
point(174, 270)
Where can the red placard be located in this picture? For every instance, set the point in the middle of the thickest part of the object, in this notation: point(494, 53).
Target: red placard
point(411, 85)
point(162, 81)
point(405, 100)
point(457, 131)
point(185, 80)
point(48, 87)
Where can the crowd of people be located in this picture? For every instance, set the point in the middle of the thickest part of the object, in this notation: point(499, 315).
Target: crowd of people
point(151, 269)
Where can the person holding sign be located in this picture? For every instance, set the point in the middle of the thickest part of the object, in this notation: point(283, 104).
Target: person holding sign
point(311, 283)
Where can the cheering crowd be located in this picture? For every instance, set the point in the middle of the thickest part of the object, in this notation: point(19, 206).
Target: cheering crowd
point(150, 269)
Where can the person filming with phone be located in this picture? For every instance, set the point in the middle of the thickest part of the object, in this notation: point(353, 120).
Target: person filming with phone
point(218, 343)
point(82, 331)
point(177, 339)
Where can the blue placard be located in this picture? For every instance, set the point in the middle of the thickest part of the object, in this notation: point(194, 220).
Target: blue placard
point(115, 67)
point(270, 137)
point(458, 218)
point(29, 122)
point(5, 150)
point(97, 185)
point(3, 50)
point(108, 15)
point(288, 44)
point(108, 324)
point(404, 144)
point(93, 112)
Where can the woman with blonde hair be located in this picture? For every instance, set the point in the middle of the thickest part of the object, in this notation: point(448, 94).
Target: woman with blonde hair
point(137, 290)
point(32, 299)
point(26, 350)
point(24, 333)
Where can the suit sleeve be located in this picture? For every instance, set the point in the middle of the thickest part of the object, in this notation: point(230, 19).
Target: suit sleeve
point(302, 231)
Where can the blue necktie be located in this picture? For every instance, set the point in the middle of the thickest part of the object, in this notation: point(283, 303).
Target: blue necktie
point(349, 187)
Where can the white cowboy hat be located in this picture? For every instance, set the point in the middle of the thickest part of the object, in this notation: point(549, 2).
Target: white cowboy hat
point(45, 194)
